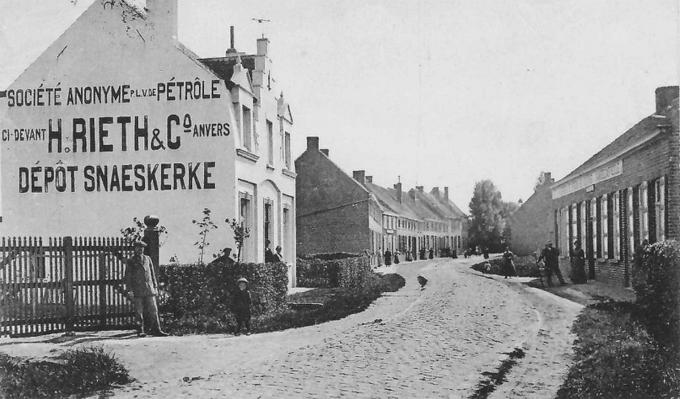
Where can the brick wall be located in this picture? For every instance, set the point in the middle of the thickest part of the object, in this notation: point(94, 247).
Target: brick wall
point(644, 164)
point(332, 208)
point(339, 230)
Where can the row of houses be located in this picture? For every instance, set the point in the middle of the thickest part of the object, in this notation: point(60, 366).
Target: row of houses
point(339, 212)
point(625, 194)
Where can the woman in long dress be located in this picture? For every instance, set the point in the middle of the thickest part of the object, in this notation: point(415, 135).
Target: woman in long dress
point(508, 264)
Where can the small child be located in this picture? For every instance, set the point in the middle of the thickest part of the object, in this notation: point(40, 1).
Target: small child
point(242, 306)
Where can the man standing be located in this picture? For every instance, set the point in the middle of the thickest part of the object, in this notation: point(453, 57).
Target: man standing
point(550, 257)
point(140, 280)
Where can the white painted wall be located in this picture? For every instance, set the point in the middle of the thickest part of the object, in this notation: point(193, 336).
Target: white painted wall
point(104, 47)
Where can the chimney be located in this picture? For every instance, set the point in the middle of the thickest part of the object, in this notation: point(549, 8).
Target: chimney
point(163, 15)
point(262, 46)
point(412, 194)
point(435, 192)
point(664, 97)
point(231, 48)
point(397, 188)
point(446, 193)
point(312, 144)
point(325, 151)
point(419, 188)
point(360, 176)
point(369, 179)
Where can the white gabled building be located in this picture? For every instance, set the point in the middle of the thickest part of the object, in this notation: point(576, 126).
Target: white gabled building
point(117, 119)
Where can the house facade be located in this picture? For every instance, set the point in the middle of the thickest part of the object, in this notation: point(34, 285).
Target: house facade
point(626, 193)
point(532, 225)
point(335, 212)
point(339, 213)
point(117, 119)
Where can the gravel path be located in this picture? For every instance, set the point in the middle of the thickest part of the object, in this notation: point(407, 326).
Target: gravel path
point(435, 342)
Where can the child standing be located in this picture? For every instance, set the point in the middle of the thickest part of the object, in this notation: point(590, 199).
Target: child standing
point(242, 306)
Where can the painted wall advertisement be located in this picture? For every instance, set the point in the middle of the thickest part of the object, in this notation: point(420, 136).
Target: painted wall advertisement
point(117, 132)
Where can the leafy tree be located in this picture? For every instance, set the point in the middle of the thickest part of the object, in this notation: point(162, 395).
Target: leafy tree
point(488, 217)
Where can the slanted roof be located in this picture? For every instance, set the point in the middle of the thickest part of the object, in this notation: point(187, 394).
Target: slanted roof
point(420, 207)
point(639, 133)
point(223, 67)
point(388, 199)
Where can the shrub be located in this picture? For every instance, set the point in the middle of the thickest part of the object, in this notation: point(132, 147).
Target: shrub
point(615, 357)
point(208, 289)
point(656, 280)
point(525, 266)
point(76, 372)
point(340, 303)
point(348, 272)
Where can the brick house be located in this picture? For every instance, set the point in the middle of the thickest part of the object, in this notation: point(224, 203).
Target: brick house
point(532, 224)
point(339, 213)
point(335, 211)
point(627, 192)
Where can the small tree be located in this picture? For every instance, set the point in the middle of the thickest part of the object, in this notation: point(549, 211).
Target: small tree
point(205, 225)
point(240, 234)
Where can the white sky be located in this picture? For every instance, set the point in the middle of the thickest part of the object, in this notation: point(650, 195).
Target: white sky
point(442, 93)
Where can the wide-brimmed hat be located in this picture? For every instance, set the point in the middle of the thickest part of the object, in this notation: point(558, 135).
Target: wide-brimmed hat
point(139, 244)
point(242, 280)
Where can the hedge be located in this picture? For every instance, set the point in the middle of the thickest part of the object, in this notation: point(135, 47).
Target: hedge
point(208, 289)
point(350, 272)
point(656, 280)
point(525, 266)
point(615, 357)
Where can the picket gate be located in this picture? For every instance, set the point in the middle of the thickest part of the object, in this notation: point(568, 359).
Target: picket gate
point(62, 284)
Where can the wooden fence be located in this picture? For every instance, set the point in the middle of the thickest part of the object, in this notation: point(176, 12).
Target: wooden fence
point(63, 284)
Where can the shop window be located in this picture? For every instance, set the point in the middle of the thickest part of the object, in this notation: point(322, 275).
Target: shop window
point(615, 227)
point(593, 228)
point(644, 217)
point(605, 226)
point(597, 233)
point(660, 208)
point(631, 222)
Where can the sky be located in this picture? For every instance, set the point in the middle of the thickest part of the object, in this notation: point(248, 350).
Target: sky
point(435, 93)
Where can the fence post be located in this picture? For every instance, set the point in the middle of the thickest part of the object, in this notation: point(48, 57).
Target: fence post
point(151, 239)
point(67, 247)
point(102, 287)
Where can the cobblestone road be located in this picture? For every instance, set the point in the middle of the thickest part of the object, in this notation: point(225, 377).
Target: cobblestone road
point(431, 343)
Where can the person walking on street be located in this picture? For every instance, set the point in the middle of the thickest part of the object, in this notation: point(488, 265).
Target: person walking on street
point(508, 264)
point(550, 257)
point(241, 306)
point(578, 264)
point(140, 280)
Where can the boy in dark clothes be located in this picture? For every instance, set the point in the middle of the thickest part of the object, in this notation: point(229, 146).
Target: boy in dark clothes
point(242, 306)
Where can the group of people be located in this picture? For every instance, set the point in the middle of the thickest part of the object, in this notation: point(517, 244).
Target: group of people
point(142, 289)
point(271, 257)
point(550, 258)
